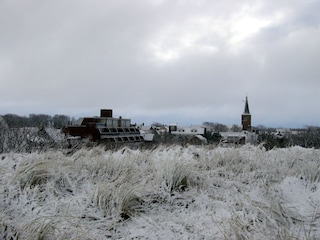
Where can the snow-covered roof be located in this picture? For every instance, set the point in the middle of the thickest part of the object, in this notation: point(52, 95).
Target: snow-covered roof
point(232, 134)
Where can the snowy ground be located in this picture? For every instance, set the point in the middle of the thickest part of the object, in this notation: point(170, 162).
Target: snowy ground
point(164, 193)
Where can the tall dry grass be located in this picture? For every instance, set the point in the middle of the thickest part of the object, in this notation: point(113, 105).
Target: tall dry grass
point(236, 193)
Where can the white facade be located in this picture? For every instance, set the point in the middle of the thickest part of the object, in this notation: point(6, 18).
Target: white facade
point(192, 130)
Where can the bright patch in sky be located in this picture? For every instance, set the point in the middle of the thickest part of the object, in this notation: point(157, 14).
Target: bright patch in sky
point(205, 34)
point(176, 40)
point(246, 27)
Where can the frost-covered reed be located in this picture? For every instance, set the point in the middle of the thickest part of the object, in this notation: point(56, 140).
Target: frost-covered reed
point(175, 192)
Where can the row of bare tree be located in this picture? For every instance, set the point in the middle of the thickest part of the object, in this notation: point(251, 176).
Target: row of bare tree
point(36, 120)
point(308, 138)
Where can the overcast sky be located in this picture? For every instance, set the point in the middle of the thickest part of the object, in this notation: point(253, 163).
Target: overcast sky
point(184, 61)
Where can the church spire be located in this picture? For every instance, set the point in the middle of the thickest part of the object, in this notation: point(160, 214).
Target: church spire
point(246, 107)
point(246, 117)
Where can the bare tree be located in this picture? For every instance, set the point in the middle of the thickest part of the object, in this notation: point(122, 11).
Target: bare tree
point(216, 127)
point(60, 121)
point(40, 120)
point(235, 128)
point(14, 120)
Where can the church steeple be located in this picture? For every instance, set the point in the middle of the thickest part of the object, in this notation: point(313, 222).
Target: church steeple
point(246, 107)
point(246, 117)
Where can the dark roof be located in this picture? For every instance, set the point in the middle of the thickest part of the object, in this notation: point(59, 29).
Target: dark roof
point(246, 107)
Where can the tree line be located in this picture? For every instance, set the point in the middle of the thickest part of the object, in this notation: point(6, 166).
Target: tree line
point(219, 127)
point(308, 138)
point(37, 120)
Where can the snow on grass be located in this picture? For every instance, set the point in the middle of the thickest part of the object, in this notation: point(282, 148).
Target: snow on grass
point(172, 192)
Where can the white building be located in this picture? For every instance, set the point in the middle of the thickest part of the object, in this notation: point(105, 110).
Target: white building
point(192, 130)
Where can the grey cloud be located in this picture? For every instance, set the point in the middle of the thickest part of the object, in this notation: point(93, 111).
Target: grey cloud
point(161, 59)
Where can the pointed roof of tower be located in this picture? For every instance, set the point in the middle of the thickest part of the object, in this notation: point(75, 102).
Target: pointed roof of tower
point(246, 107)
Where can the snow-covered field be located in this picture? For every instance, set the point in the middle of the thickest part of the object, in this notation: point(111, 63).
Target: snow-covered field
point(165, 193)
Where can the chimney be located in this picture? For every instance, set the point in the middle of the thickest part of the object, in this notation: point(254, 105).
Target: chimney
point(107, 113)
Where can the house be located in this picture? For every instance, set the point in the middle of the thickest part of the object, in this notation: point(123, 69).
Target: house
point(192, 130)
point(233, 137)
point(105, 127)
point(146, 132)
